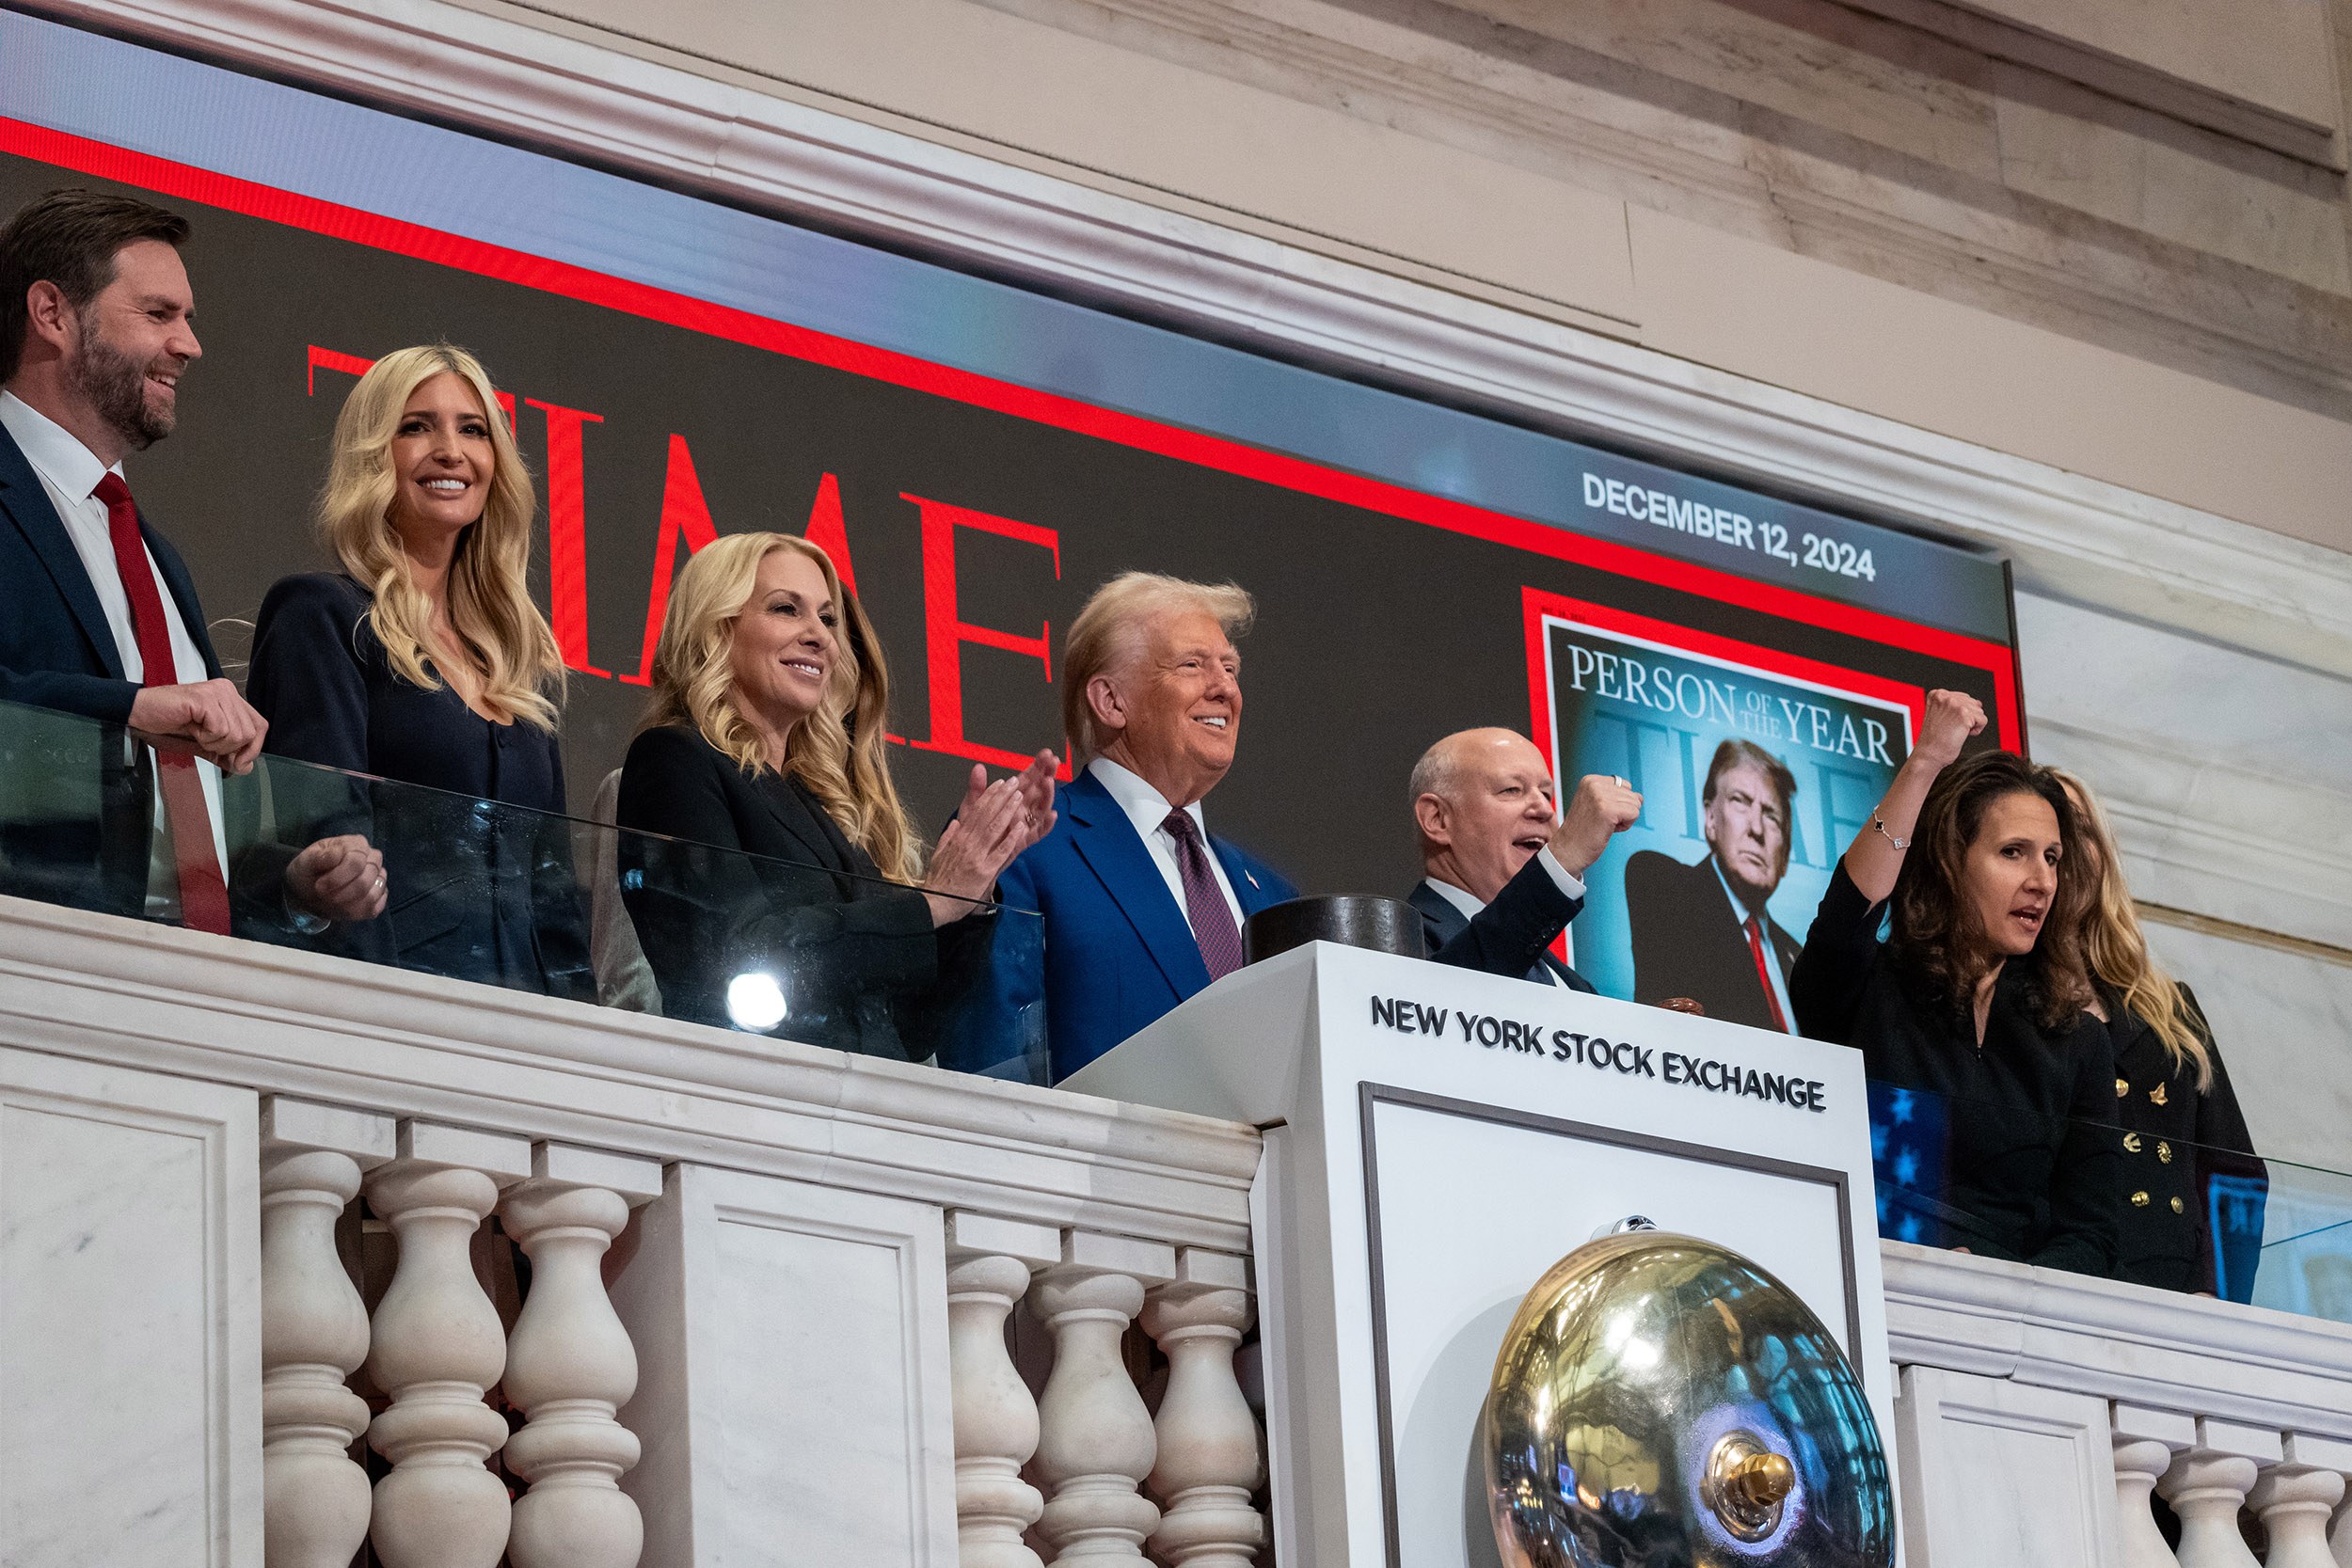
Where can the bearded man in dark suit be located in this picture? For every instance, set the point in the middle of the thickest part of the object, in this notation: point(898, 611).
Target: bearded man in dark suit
point(1703, 931)
point(99, 617)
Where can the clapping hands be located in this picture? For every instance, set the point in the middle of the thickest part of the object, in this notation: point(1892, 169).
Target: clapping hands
point(995, 823)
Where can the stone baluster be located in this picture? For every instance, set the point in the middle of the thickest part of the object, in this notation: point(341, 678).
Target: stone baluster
point(1096, 1443)
point(989, 1262)
point(2207, 1486)
point(438, 1346)
point(314, 1332)
point(2339, 1532)
point(2145, 1442)
point(2297, 1497)
point(569, 1363)
point(1209, 1462)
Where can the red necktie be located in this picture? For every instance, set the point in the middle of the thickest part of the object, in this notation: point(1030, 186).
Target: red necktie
point(204, 892)
point(1211, 918)
point(1764, 973)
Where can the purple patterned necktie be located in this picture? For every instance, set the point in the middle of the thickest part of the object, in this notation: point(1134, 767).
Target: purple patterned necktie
point(1211, 918)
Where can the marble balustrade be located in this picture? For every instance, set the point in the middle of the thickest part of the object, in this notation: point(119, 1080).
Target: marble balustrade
point(789, 1305)
point(769, 1290)
point(2039, 1413)
point(1114, 1475)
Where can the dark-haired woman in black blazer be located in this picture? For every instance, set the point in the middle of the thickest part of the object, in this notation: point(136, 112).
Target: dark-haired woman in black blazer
point(786, 890)
point(1971, 1015)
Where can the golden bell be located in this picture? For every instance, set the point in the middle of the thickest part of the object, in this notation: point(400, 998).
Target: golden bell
point(1662, 1400)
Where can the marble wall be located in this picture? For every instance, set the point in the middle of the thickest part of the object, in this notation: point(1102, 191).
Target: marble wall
point(2229, 779)
point(2167, 306)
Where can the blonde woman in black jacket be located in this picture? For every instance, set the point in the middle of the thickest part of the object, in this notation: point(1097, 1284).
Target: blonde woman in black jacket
point(2193, 1193)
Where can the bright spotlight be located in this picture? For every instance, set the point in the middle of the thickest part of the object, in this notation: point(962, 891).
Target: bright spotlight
point(756, 1001)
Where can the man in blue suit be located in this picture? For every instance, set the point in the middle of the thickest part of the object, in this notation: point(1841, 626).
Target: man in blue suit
point(98, 616)
point(1142, 905)
point(1505, 863)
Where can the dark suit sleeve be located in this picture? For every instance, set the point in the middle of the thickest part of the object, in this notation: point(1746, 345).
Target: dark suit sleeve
point(91, 696)
point(1003, 1019)
point(705, 912)
point(1506, 937)
point(1655, 919)
point(559, 923)
point(2087, 1179)
point(1825, 985)
point(307, 679)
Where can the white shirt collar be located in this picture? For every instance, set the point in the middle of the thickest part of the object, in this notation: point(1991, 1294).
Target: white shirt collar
point(1145, 806)
point(1459, 898)
point(55, 452)
point(1738, 912)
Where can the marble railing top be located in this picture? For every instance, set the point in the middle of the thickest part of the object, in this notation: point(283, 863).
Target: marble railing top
point(277, 1021)
point(2157, 1349)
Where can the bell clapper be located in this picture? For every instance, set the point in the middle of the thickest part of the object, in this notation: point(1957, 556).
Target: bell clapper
point(1745, 1484)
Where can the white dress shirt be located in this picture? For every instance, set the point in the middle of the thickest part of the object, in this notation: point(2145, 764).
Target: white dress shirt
point(70, 471)
point(1471, 907)
point(1772, 960)
point(1148, 809)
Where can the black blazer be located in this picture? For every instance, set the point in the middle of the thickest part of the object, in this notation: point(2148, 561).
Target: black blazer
point(477, 895)
point(2008, 1150)
point(1686, 942)
point(1510, 936)
point(861, 967)
point(2186, 1155)
point(87, 841)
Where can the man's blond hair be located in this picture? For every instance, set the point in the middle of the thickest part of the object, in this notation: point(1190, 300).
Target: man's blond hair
point(1113, 631)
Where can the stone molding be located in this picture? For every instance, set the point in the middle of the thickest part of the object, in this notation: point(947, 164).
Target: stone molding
point(2275, 125)
point(399, 1044)
point(2150, 1348)
point(2228, 841)
point(1464, 73)
point(2082, 539)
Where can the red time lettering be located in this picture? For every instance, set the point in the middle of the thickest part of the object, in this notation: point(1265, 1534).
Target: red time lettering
point(568, 534)
point(944, 635)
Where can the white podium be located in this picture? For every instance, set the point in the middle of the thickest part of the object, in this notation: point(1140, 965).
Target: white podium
point(1435, 1140)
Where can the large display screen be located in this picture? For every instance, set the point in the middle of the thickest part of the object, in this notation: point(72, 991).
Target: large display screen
point(981, 459)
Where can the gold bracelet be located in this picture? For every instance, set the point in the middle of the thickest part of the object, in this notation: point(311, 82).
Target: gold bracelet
point(1898, 843)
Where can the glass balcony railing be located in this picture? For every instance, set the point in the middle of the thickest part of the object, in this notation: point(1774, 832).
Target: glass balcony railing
point(505, 896)
point(2189, 1216)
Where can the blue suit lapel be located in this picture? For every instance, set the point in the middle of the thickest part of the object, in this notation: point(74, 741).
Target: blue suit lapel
point(1246, 889)
point(25, 500)
point(1107, 840)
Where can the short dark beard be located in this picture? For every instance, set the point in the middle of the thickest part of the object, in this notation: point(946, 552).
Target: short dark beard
point(116, 386)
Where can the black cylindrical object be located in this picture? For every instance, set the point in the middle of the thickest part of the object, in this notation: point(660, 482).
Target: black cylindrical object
point(1382, 925)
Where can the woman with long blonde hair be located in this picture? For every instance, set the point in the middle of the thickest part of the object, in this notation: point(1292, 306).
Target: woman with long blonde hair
point(424, 661)
point(787, 891)
point(2188, 1157)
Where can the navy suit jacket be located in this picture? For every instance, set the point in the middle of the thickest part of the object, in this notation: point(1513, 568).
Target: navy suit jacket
point(87, 844)
point(55, 649)
point(1118, 952)
point(1688, 942)
point(1510, 936)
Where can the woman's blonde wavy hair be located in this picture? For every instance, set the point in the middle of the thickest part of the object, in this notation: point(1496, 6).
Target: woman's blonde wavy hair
point(837, 751)
point(2117, 951)
point(490, 610)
